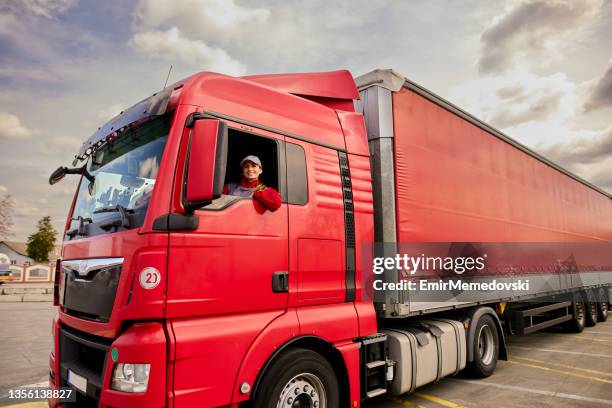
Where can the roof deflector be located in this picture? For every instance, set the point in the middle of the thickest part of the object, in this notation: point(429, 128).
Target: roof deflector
point(334, 84)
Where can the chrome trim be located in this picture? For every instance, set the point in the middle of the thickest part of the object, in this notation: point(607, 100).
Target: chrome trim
point(83, 266)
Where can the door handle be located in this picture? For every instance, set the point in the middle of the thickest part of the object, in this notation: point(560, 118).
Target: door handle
point(280, 282)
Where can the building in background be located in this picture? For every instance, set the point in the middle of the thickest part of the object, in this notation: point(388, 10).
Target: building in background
point(13, 256)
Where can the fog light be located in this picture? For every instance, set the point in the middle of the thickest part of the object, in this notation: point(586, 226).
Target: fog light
point(130, 377)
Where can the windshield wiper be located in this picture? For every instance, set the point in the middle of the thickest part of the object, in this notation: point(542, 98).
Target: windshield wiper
point(81, 229)
point(125, 221)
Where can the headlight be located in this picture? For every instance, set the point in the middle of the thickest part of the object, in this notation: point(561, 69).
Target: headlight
point(130, 377)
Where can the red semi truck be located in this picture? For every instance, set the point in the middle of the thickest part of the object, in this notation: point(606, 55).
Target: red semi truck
point(171, 294)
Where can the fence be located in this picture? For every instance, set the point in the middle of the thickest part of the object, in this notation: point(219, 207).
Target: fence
point(32, 273)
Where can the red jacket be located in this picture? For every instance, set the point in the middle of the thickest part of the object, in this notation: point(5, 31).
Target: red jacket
point(269, 197)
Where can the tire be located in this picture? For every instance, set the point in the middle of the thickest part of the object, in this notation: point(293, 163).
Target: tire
point(602, 305)
point(485, 348)
point(576, 325)
point(591, 309)
point(299, 378)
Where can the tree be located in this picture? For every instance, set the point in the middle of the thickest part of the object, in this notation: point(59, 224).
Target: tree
point(42, 241)
point(6, 216)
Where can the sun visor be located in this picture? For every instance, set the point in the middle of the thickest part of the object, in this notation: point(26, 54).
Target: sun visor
point(146, 109)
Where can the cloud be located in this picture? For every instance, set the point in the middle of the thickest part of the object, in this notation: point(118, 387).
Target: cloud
point(111, 111)
point(172, 45)
point(11, 127)
point(198, 18)
point(281, 35)
point(202, 34)
point(601, 95)
point(519, 98)
point(581, 151)
point(530, 31)
point(39, 8)
point(59, 144)
point(603, 178)
point(588, 157)
point(3, 189)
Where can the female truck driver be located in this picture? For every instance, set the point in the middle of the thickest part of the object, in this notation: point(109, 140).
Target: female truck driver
point(250, 186)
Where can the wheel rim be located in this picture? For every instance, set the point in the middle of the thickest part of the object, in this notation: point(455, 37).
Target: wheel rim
point(304, 390)
point(580, 311)
point(486, 345)
point(603, 308)
point(593, 311)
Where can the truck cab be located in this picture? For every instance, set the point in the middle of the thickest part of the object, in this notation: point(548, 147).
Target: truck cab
point(170, 293)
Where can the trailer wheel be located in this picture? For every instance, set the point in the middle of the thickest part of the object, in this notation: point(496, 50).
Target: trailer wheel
point(576, 325)
point(602, 306)
point(485, 347)
point(299, 378)
point(591, 309)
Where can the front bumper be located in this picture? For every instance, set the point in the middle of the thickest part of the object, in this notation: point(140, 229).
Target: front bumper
point(94, 357)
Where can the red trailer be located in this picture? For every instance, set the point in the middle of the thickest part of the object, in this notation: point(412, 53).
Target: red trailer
point(172, 294)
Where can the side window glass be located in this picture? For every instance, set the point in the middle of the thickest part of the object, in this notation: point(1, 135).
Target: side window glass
point(297, 180)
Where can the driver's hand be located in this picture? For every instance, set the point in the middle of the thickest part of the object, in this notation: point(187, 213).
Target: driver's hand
point(260, 187)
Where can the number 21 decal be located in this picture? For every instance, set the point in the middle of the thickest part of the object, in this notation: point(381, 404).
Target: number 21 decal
point(149, 278)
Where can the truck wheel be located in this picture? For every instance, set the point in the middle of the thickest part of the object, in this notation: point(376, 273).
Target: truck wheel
point(576, 325)
point(591, 309)
point(602, 306)
point(300, 378)
point(485, 348)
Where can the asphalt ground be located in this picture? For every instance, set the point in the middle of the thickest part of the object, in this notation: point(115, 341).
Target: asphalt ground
point(546, 369)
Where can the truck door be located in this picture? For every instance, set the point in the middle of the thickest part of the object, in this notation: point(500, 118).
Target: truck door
point(227, 265)
point(316, 225)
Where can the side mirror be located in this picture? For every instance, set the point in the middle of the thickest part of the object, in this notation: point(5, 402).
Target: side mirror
point(57, 175)
point(207, 161)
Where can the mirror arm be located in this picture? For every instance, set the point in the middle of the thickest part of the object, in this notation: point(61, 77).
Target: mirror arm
point(80, 170)
point(87, 174)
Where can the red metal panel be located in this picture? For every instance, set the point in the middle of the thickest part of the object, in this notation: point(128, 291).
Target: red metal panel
point(209, 352)
point(144, 303)
point(263, 105)
point(170, 360)
point(127, 244)
point(330, 322)
point(350, 354)
point(457, 183)
point(322, 218)
point(228, 261)
point(276, 334)
point(320, 274)
point(141, 343)
point(364, 233)
point(354, 130)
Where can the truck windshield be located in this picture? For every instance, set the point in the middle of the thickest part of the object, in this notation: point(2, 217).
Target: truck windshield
point(125, 171)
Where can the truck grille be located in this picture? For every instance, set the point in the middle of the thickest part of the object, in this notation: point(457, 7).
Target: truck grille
point(88, 287)
point(86, 356)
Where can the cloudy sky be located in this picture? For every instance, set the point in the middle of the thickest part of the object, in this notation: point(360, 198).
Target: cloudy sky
point(539, 70)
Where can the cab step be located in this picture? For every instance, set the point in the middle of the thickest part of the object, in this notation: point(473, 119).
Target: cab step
point(374, 365)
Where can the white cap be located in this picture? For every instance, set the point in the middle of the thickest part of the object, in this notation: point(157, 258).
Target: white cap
point(251, 158)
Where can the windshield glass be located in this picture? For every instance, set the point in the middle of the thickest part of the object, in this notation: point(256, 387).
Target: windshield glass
point(125, 171)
